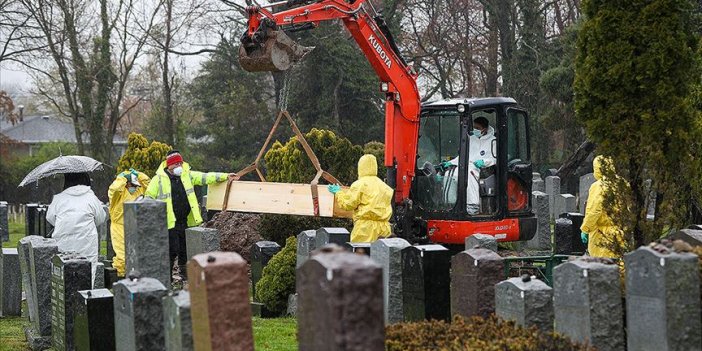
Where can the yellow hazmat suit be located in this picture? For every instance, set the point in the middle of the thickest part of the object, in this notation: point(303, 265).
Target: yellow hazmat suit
point(118, 195)
point(370, 200)
point(597, 223)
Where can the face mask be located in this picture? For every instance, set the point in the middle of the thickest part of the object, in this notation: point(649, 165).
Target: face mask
point(131, 190)
point(178, 171)
point(477, 133)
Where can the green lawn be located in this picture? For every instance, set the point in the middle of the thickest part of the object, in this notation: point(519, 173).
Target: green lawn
point(16, 233)
point(276, 334)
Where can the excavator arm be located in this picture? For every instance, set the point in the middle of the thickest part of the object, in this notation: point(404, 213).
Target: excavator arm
point(266, 47)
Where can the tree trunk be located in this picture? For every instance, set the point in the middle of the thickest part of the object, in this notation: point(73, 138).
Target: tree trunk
point(169, 126)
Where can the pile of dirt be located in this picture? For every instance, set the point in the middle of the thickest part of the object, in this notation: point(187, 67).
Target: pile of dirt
point(238, 231)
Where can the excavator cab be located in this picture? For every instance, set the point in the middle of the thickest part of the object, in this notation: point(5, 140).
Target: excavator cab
point(451, 195)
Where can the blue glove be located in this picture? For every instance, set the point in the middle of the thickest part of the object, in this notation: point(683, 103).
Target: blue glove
point(334, 188)
point(479, 164)
point(583, 237)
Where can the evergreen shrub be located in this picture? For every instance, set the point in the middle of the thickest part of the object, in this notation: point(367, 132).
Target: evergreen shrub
point(278, 279)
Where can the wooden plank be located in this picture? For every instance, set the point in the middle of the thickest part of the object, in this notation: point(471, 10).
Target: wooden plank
point(276, 198)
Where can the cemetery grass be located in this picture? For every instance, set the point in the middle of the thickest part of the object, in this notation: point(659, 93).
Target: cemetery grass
point(16, 233)
point(275, 334)
point(11, 334)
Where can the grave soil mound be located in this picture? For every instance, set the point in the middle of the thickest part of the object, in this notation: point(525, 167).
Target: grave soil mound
point(473, 334)
point(238, 231)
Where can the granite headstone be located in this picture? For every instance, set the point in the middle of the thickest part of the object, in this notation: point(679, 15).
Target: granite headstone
point(138, 314)
point(200, 240)
point(94, 321)
point(146, 240)
point(526, 301)
point(306, 243)
point(178, 330)
point(426, 282)
point(474, 273)
point(10, 283)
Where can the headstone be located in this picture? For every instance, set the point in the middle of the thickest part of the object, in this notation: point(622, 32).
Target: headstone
point(553, 188)
point(178, 330)
point(585, 183)
point(537, 184)
point(261, 253)
point(138, 314)
point(690, 236)
point(565, 203)
point(474, 273)
point(306, 243)
point(587, 303)
point(341, 303)
point(203, 210)
point(70, 273)
point(99, 281)
point(662, 300)
point(388, 254)
point(562, 236)
point(23, 250)
point(426, 282)
point(30, 215)
point(4, 222)
point(576, 242)
point(40, 255)
point(219, 300)
point(331, 235)
point(200, 240)
point(146, 240)
point(94, 321)
point(10, 283)
point(359, 248)
point(110, 277)
point(542, 238)
point(484, 241)
point(292, 305)
point(526, 301)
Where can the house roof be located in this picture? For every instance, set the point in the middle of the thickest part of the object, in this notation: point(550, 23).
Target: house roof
point(43, 129)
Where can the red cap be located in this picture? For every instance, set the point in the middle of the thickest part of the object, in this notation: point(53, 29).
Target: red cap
point(173, 159)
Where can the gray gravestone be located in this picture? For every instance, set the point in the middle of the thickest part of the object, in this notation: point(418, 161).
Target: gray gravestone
point(23, 249)
point(359, 248)
point(562, 236)
point(474, 273)
point(537, 184)
point(484, 241)
point(542, 238)
point(40, 255)
point(662, 300)
point(585, 183)
point(4, 223)
point(261, 253)
point(70, 273)
point(178, 330)
point(94, 322)
point(553, 188)
point(587, 303)
point(200, 240)
point(564, 203)
point(426, 281)
point(306, 243)
point(341, 303)
point(332, 235)
point(526, 301)
point(99, 281)
point(146, 240)
point(203, 210)
point(292, 305)
point(139, 314)
point(10, 283)
point(690, 236)
point(576, 242)
point(388, 254)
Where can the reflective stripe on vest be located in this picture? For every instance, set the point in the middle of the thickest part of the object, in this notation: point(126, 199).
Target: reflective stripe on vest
point(189, 191)
point(204, 178)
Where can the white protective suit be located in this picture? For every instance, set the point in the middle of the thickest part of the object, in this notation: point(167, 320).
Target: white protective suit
point(75, 214)
point(480, 148)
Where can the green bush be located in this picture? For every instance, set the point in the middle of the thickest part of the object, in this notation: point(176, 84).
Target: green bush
point(278, 279)
point(289, 163)
point(377, 149)
point(473, 334)
point(142, 155)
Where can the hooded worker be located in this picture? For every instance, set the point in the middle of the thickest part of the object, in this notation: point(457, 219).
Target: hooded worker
point(598, 230)
point(370, 200)
point(75, 214)
point(128, 186)
point(479, 156)
point(173, 183)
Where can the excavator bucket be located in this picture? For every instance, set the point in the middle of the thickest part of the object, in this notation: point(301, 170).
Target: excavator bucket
point(277, 53)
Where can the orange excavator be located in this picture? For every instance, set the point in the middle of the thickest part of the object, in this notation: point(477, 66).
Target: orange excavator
point(440, 195)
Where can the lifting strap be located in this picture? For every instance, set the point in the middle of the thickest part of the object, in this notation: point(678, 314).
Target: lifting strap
point(308, 150)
